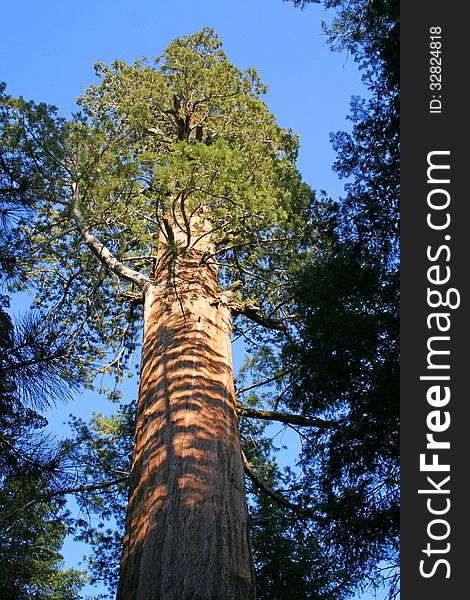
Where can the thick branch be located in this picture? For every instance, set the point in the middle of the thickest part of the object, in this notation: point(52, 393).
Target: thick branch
point(272, 415)
point(279, 498)
point(105, 255)
point(253, 312)
point(258, 317)
point(131, 297)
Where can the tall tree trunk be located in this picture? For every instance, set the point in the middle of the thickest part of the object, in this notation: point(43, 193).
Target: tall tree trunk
point(187, 532)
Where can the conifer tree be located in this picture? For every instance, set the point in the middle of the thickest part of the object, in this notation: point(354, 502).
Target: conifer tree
point(171, 200)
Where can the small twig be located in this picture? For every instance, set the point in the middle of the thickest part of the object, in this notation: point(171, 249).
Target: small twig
point(265, 381)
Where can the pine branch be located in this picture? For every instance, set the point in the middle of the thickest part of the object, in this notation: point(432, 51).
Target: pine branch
point(86, 488)
point(291, 419)
point(71, 490)
point(278, 497)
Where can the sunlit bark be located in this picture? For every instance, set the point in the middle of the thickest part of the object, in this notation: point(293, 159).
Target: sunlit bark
point(187, 534)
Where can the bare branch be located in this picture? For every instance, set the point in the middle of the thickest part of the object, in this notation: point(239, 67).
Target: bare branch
point(290, 419)
point(279, 498)
point(104, 254)
point(131, 297)
point(252, 311)
point(254, 314)
point(265, 381)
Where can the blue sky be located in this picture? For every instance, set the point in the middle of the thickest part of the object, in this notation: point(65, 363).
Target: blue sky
point(47, 52)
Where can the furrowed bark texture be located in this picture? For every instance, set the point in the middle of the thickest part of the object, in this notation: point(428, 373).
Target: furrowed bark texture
point(187, 532)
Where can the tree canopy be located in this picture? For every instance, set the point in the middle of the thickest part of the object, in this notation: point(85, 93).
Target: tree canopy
point(132, 165)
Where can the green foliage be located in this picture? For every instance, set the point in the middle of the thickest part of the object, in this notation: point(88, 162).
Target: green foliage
point(369, 156)
point(32, 354)
point(33, 523)
point(185, 136)
point(103, 452)
point(33, 529)
point(30, 542)
point(289, 561)
point(183, 144)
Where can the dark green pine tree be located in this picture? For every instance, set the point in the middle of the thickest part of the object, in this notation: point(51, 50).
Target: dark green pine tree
point(344, 359)
point(33, 522)
point(32, 535)
point(369, 157)
point(345, 351)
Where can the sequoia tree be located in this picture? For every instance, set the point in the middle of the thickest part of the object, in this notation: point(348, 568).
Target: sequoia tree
point(171, 199)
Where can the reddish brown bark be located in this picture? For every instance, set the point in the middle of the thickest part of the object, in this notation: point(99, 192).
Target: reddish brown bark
point(187, 533)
